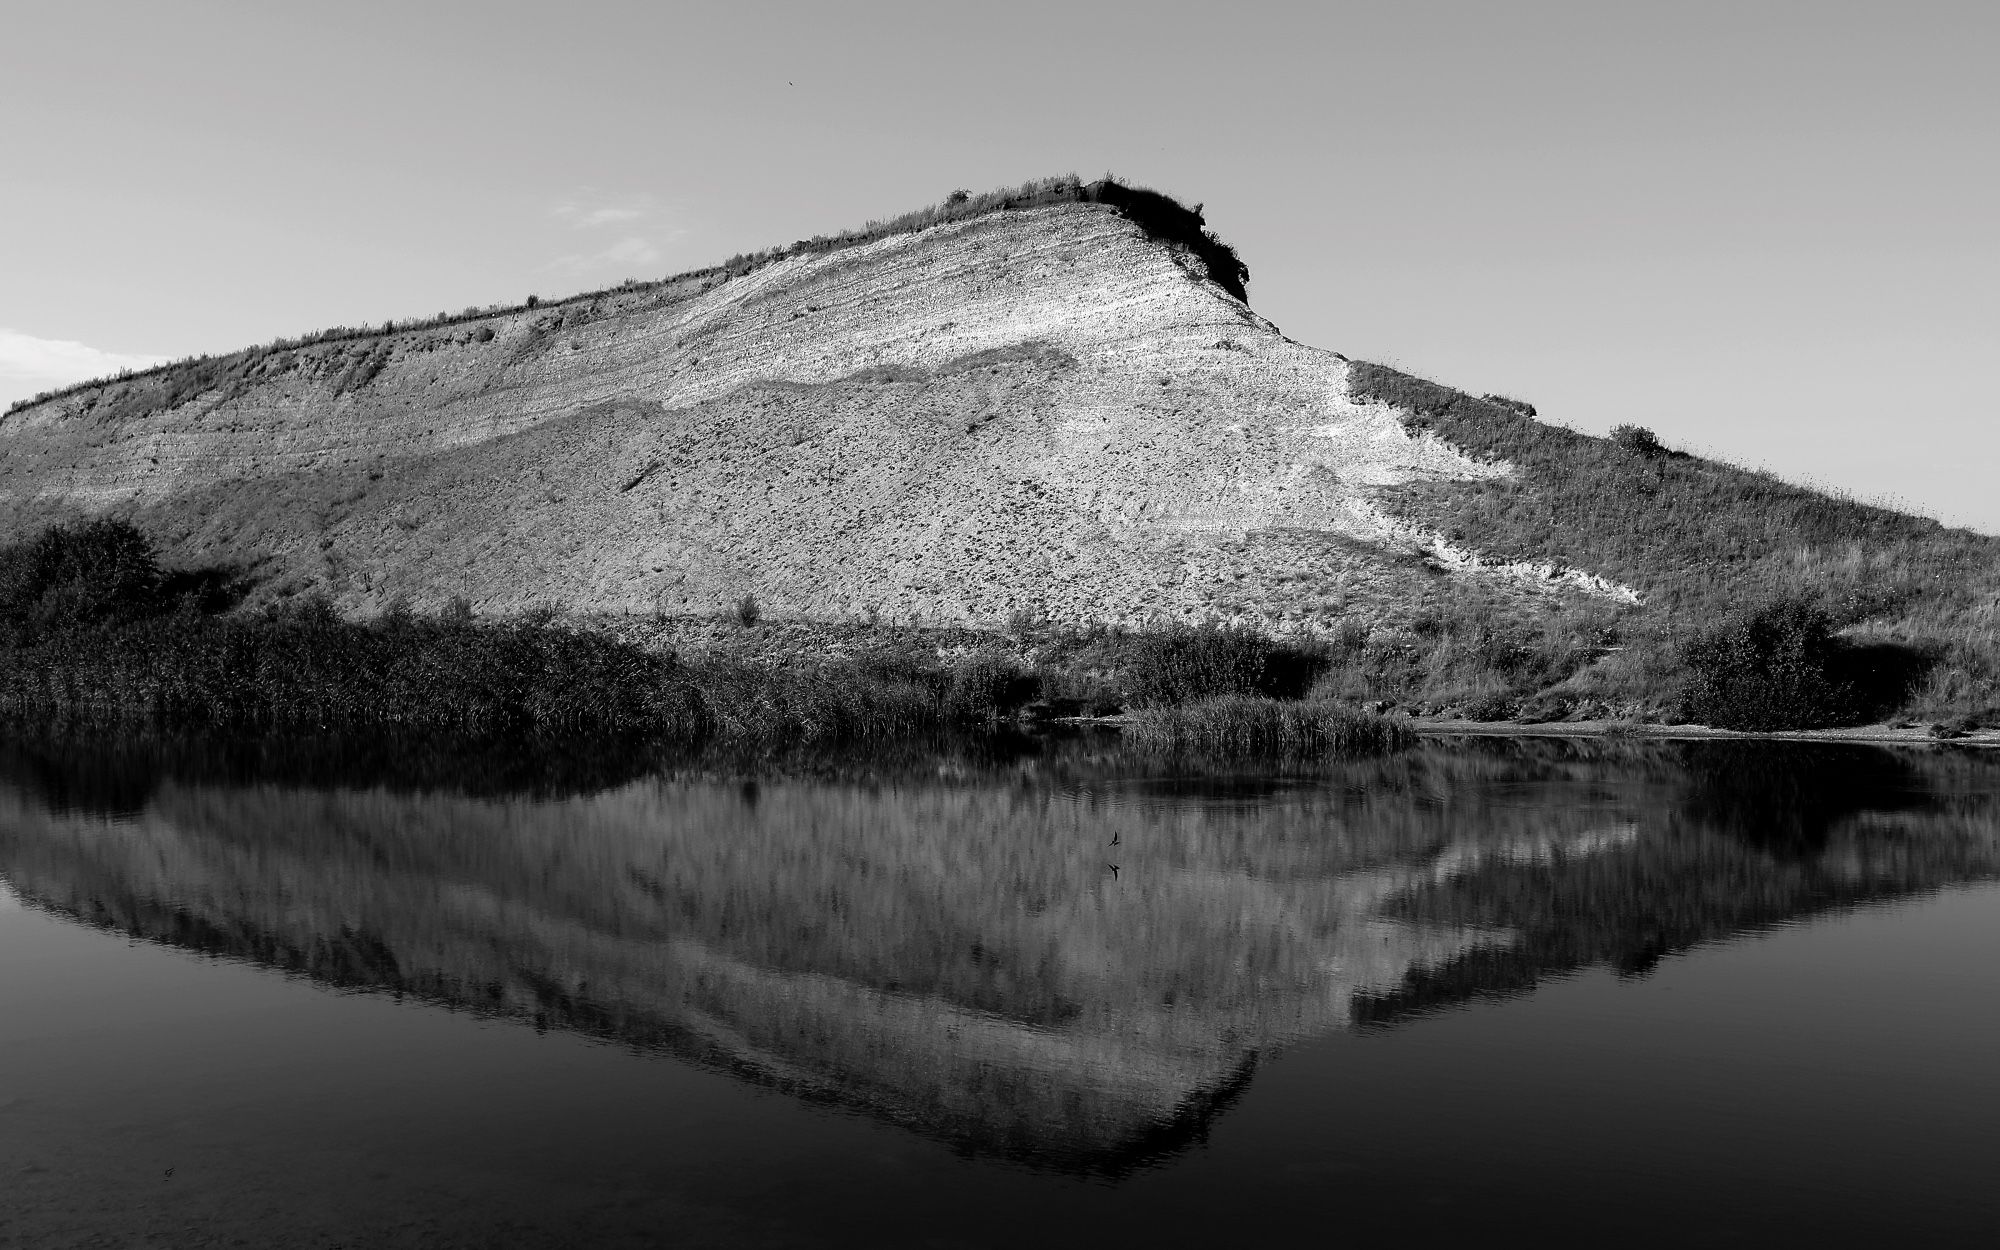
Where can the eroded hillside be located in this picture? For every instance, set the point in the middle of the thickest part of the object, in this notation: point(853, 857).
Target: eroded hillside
point(1052, 411)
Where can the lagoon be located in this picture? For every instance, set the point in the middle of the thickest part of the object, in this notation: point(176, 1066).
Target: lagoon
point(1723, 992)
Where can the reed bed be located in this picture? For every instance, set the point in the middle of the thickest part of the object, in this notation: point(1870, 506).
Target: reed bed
point(247, 673)
point(1251, 725)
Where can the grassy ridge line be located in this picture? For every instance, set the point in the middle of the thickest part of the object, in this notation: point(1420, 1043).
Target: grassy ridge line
point(1160, 215)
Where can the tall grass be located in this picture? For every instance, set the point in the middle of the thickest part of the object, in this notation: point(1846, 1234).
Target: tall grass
point(307, 673)
point(92, 630)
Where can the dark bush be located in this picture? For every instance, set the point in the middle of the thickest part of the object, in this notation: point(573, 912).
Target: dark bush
point(69, 576)
point(1638, 440)
point(987, 684)
point(1770, 668)
point(1491, 707)
point(747, 611)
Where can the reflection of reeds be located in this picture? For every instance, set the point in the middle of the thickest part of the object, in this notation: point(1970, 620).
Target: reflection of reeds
point(1243, 725)
point(943, 947)
point(948, 954)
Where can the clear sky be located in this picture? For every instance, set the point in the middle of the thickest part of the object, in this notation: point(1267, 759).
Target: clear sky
point(1768, 231)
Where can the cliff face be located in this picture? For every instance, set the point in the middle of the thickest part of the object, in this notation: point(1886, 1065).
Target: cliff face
point(1045, 411)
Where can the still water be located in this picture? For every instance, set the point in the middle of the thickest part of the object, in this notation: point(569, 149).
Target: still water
point(1714, 993)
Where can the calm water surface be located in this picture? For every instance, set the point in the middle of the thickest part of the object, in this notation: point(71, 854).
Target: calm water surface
point(1711, 994)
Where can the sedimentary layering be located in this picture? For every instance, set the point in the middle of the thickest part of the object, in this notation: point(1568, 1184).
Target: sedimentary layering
point(1043, 411)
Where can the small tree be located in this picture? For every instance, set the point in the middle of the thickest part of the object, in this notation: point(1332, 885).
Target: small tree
point(72, 575)
point(1770, 668)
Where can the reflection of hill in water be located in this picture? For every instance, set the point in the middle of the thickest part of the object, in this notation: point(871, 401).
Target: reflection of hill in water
point(949, 950)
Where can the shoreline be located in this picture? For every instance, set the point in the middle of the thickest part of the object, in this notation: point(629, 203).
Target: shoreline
point(1433, 727)
point(1891, 735)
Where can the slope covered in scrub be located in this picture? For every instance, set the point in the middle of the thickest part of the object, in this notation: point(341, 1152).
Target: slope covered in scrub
point(1699, 539)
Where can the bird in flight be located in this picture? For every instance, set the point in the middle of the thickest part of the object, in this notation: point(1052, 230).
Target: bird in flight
point(1114, 839)
point(1114, 871)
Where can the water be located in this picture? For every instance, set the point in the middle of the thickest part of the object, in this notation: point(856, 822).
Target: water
point(1705, 993)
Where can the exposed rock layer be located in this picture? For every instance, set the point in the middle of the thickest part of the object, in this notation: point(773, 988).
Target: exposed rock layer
point(1043, 411)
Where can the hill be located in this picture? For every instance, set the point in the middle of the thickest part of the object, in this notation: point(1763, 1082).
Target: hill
point(1050, 404)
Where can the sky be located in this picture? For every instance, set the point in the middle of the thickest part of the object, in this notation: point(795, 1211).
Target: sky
point(1769, 232)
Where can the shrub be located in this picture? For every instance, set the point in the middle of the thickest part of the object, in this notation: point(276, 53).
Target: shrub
point(1770, 668)
point(396, 613)
point(1638, 440)
point(748, 612)
point(1491, 706)
point(987, 684)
